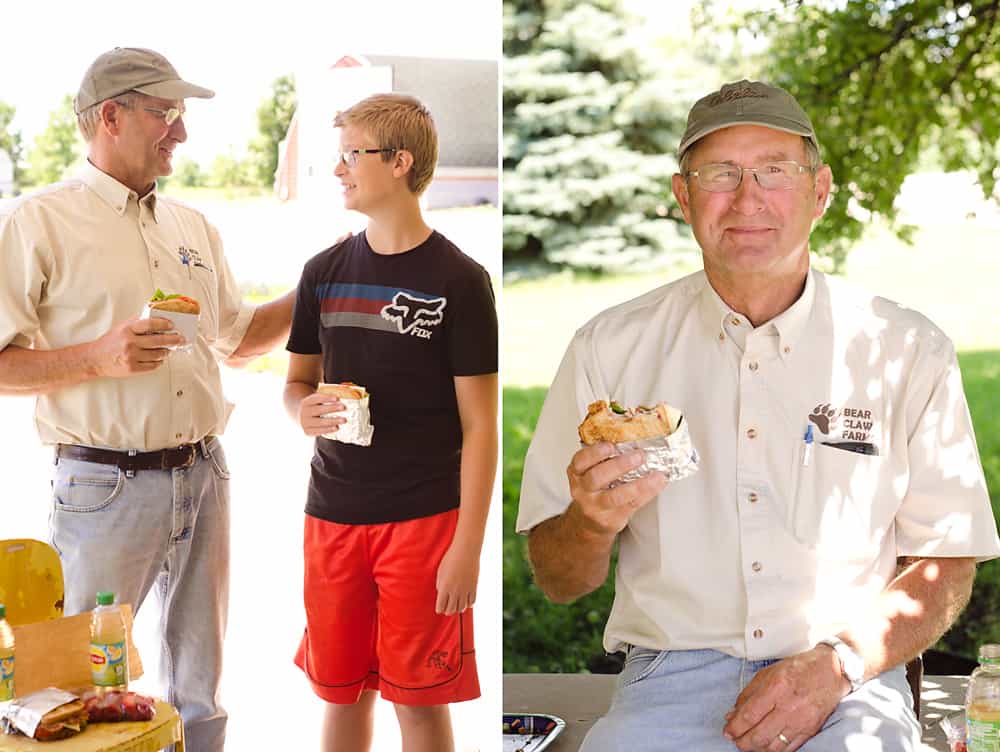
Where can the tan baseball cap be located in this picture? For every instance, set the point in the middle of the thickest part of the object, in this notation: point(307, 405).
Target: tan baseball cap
point(746, 103)
point(133, 69)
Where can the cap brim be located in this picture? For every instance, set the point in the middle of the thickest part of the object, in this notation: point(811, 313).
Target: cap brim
point(787, 128)
point(175, 89)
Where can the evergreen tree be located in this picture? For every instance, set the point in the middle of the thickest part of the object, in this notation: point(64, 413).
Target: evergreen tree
point(589, 136)
point(57, 148)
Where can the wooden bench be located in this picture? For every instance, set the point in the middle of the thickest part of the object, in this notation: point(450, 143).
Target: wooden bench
point(580, 699)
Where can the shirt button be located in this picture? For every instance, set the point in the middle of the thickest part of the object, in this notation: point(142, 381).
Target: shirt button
point(787, 349)
point(722, 335)
point(756, 566)
point(753, 365)
point(753, 497)
point(156, 264)
point(734, 321)
point(180, 392)
point(178, 435)
point(751, 433)
point(758, 633)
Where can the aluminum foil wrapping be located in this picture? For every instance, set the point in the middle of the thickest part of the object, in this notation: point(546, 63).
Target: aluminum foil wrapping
point(357, 428)
point(673, 455)
point(25, 713)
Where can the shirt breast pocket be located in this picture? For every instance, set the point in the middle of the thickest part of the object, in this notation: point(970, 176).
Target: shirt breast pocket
point(843, 502)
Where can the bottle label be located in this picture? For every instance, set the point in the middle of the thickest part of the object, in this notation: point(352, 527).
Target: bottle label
point(984, 736)
point(6, 678)
point(108, 664)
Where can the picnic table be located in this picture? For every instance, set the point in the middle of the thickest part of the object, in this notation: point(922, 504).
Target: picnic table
point(580, 699)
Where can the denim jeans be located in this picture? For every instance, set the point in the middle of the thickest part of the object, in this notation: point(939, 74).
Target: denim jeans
point(165, 531)
point(677, 700)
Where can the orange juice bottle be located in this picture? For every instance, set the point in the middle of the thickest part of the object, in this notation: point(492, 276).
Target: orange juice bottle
point(6, 657)
point(108, 649)
point(982, 702)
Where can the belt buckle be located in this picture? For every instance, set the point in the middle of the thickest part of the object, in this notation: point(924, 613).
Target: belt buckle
point(188, 461)
point(191, 454)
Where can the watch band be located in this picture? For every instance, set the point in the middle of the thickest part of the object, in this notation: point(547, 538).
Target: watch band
point(852, 665)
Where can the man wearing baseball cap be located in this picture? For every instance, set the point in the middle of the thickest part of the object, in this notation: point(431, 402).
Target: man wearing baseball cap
point(770, 600)
point(140, 486)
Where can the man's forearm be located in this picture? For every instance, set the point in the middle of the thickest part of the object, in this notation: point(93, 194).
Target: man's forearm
point(912, 612)
point(295, 392)
point(31, 372)
point(268, 330)
point(569, 557)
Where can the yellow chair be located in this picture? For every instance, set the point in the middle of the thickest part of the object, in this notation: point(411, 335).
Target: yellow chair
point(53, 651)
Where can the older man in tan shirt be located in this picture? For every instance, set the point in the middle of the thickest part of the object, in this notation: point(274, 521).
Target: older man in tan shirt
point(140, 489)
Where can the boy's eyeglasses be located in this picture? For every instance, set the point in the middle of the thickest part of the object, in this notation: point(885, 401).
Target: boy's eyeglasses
point(723, 178)
point(350, 158)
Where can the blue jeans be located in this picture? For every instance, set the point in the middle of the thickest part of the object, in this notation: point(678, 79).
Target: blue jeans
point(677, 700)
point(165, 530)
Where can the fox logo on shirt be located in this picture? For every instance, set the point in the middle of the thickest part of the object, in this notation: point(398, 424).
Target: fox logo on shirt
point(411, 314)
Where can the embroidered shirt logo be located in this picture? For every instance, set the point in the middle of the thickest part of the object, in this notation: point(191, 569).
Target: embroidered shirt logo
point(411, 315)
point(190, 257)
point(855, 423)
point(439, 660)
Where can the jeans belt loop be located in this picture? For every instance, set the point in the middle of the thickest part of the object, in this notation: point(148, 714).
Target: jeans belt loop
point(130, 471)
point(203, 444)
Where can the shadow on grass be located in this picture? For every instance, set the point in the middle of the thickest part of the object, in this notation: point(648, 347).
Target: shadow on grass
point(540, 636)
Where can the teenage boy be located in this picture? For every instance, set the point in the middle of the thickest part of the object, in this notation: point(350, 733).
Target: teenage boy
point(393, 530)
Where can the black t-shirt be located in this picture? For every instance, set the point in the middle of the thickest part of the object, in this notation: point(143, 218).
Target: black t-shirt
point(403, 326)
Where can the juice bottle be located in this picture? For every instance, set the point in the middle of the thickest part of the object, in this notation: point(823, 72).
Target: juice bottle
point(6, 657)
point(982, 702)
point(108, 651)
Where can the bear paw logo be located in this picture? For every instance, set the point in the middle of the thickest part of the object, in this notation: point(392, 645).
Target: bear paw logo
point(824, 417)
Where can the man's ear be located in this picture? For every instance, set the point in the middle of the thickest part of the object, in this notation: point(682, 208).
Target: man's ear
point(111, 113)
point(680, 187)
point(402, 163)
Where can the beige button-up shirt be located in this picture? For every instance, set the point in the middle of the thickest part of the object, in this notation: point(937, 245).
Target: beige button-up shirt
point(764, 551)
point(85, 254)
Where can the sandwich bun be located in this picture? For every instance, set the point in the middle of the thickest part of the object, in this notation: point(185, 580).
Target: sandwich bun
point(343, 390)
point(634, 424)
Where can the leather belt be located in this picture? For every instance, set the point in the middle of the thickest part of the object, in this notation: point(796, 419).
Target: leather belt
point(164, 459)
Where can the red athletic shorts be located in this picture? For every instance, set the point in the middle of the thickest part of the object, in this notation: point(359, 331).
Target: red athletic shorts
point(370, 592)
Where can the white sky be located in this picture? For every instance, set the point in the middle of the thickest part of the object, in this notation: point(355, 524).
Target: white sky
point(235, 48)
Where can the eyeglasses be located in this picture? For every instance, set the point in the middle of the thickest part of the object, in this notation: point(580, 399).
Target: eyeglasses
point(723, 178)
point(169, 115)
point(350, 158)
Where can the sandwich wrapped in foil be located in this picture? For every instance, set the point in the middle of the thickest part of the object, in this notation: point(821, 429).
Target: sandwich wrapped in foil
point(357, 428)
point(25, 713)
point(673, 455)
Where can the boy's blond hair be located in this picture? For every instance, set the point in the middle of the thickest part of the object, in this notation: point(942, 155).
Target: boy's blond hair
point(398, 121)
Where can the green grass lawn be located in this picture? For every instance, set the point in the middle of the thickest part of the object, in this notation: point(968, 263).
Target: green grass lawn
point(947, 274)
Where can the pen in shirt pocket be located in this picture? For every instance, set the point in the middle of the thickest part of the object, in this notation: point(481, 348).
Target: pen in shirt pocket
point(807, 449)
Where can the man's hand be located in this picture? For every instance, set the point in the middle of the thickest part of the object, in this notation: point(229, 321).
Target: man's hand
point(793, 697)
point(457, 576)
point(313, 407)
point(608, 510)
point(133, 346)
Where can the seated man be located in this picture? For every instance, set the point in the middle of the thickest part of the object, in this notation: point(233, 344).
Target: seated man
point(758, 600)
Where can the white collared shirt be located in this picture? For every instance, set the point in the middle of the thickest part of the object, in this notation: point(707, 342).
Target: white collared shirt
point(84, 254)
point(757, 554)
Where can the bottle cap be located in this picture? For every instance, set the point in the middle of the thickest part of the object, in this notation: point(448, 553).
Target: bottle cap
point(105, 598)
point(3, 611)
point(989, 653)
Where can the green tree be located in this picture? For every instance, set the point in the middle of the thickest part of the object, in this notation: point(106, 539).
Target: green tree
point(228, 171)
point(589, 131)
point(57, 148)
point(884, 81)
point(188, 173)
point(10, 140)
point(273, 118)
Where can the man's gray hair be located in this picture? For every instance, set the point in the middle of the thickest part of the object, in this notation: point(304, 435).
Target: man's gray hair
point(89, 120)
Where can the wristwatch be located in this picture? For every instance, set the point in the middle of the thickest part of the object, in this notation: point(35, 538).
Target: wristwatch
point(852, 665)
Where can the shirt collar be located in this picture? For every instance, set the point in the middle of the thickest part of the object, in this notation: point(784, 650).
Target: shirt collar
point(113, 193)
point(723, 323)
